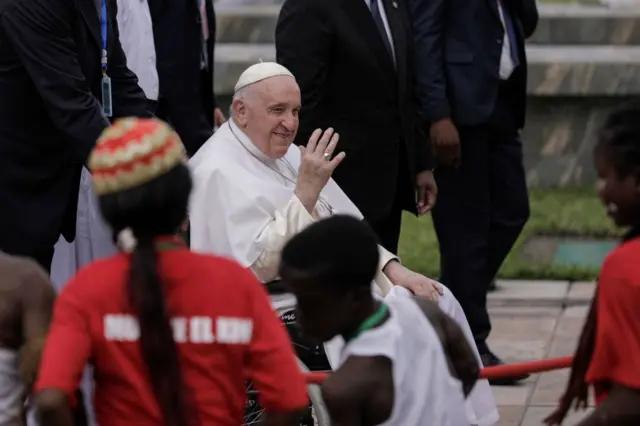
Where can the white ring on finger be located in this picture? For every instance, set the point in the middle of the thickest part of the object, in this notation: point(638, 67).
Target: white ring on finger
point(327, 156)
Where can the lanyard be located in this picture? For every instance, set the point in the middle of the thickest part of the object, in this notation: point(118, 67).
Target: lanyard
point(372, 321)
point(103, 33)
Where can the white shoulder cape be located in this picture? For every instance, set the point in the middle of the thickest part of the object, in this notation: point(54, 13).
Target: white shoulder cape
point(237, 192)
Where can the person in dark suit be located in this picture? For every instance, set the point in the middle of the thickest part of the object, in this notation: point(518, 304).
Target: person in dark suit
point(185, 34)
point(472, 73)
point(51, 114)
point(353, 60)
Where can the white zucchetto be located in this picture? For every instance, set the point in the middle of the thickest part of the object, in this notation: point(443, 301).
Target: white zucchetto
point(259, 72)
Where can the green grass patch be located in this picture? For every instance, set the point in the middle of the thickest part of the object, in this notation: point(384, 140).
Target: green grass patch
point(572, 212)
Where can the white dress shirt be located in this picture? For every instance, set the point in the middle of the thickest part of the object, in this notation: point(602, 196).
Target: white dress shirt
point(136, 37)
point(506, 61)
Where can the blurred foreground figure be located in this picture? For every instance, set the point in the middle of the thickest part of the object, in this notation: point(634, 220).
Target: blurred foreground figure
point(255, 189)
point(609, 349)
point(393, 369)
point(26, 303)
point(172, 335)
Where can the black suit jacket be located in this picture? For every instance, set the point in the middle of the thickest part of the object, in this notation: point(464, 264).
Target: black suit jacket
point(50, 113)
point(349, 82)
point(187, 90)
point(458, 47)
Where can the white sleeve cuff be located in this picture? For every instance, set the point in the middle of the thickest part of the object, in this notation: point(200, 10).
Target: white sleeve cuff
point(287, 222)
point(385, 257)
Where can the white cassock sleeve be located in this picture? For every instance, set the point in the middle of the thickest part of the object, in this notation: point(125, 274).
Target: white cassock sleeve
point(382, 282)
point(288, 221)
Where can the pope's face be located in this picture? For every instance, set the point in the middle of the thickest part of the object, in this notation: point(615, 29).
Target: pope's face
point(272, 115)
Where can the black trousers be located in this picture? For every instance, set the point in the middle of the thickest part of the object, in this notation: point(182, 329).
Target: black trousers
point(481, 209)
point(388, 227)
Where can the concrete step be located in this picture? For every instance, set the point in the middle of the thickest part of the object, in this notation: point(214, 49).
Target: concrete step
point(553, 70)
point(560, 24)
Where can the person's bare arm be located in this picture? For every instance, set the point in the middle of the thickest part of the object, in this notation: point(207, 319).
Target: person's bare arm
point(342, 413)
point(360, 392)
point(37, 298)
point(342, 394)
point(462, 361)
point(620, 408)
point(53, 409)
point(57, 399)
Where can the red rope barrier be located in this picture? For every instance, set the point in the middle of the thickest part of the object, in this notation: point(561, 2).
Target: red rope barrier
point(510, 370)
point(496, 372)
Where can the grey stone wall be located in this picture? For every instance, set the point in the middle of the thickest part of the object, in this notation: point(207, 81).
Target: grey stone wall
point(559, 137)
point(560, 24)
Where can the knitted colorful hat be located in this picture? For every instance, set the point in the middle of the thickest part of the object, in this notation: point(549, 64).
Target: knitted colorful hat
point(133, 151)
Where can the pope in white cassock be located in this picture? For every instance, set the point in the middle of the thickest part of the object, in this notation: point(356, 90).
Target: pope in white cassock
point(253, 190)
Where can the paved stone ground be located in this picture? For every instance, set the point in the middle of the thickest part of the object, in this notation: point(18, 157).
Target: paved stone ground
point(535, 320)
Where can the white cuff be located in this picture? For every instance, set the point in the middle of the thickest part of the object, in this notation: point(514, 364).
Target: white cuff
point(382, 281)
point(385, 257)
point(287, 222)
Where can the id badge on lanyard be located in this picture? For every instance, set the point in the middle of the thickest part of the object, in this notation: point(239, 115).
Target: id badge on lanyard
point(107, 107)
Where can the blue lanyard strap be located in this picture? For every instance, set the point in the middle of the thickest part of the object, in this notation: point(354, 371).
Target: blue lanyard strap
point(103, 33)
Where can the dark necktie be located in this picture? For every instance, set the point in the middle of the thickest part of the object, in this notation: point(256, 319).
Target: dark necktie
point(377, 18)
point(511, 33)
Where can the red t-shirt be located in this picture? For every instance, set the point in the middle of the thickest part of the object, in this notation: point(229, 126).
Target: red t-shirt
point(617, 346)
point(224, 323)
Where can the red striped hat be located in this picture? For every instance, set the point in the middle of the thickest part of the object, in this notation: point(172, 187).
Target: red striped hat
point(132, 152)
